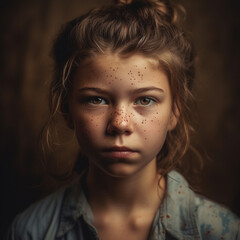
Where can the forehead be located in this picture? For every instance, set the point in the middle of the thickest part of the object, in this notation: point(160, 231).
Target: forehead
point(112, 68)
point(107, 60)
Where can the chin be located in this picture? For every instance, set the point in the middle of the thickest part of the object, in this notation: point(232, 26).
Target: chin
point(120, 170)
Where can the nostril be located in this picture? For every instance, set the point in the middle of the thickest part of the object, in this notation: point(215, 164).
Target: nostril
point(119, 123)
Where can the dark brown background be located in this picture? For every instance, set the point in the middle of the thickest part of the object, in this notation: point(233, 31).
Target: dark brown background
point(27, 30)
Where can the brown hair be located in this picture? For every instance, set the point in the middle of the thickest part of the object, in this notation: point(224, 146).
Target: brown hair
point(148, 27)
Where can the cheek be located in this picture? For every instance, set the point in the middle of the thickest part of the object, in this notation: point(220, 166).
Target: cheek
point(155, 128)
point(88, 126)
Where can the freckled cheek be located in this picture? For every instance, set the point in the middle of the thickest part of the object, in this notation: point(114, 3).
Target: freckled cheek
point(151, 128)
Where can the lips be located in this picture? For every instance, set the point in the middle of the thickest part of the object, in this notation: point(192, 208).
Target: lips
point(119, 149)
point(119, 152)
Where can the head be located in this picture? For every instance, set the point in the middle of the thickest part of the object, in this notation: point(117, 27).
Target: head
point(144, 28)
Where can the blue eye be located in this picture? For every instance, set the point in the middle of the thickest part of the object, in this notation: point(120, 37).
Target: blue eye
point(145, 101)
point(97, 100)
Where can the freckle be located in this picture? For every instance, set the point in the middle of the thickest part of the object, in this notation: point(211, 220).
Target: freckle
point(110, 75)
point(179, 192)
point(145, 138)
point(145, 67)
point(131, 83)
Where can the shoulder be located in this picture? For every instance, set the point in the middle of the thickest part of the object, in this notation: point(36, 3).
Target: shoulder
point(36, 220)
point(215, 221)
point(205, 217)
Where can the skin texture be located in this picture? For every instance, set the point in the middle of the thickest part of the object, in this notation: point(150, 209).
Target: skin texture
point(111, 106)
point(122, 102)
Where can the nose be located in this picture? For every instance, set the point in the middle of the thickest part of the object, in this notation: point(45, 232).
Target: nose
point(120, 121)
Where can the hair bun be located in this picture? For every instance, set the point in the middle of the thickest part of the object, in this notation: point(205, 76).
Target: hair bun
point(165, 8)
point(173, 11)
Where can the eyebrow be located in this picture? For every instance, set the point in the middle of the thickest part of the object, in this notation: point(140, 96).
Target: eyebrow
point(146, 89)
point(139, 90)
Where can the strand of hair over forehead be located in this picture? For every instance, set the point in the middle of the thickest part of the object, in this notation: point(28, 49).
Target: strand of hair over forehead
point(116, 27)
point(119, 27)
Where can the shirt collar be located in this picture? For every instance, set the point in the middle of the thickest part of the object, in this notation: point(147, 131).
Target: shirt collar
point(177, 209)
point(176, 214)
point(74, 206)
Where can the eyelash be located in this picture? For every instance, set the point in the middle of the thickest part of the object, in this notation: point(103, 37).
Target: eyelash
point(150, 101)
point(92, 99)
point(103, 101)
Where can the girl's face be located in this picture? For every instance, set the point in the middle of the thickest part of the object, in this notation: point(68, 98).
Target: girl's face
point(121, 109)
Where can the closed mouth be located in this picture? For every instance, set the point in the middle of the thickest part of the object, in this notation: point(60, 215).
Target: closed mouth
point(118, 149)
point(119, 152)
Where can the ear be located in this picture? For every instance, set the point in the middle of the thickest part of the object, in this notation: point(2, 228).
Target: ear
point(174, 118)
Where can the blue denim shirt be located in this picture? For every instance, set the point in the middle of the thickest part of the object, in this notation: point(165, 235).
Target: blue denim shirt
point(67, 215)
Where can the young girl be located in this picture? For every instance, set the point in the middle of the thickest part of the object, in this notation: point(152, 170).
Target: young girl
point(123, 84)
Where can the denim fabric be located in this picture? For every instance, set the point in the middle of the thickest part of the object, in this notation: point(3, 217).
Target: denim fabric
point(66, 214)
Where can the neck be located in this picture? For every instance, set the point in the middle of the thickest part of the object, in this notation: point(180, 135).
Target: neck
point(141, 189)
